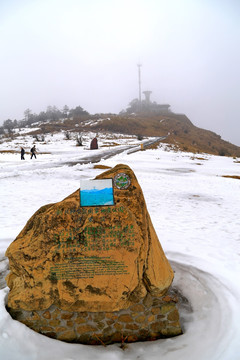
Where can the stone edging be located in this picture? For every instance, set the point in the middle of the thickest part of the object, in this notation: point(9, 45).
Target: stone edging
point(149, 319)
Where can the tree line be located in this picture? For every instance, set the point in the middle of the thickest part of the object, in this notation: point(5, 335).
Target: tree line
point(52, 113)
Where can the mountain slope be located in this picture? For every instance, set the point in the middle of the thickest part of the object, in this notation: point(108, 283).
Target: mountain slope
point(178, 128)
point(181, 132)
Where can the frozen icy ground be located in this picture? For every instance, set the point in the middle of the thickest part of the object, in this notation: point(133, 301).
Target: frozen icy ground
point(195, 212)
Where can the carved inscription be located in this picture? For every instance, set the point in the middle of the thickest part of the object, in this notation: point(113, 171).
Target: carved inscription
point(95, 238)
point(88, 267)
point(73, 245)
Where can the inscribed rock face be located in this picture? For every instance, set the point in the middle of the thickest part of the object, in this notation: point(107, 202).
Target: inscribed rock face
point(89, 258)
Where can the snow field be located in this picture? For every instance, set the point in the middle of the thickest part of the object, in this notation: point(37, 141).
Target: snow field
point(195, 213)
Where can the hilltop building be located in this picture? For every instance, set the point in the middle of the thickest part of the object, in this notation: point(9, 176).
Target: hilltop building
point(146, 105)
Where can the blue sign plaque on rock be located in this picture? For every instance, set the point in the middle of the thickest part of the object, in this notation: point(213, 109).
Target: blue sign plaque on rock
point(96, 192)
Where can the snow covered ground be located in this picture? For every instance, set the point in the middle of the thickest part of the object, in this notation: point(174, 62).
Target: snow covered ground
point(195, 212)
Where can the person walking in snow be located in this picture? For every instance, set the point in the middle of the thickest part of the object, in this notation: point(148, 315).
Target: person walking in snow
point(22, 153)
point(33, 152)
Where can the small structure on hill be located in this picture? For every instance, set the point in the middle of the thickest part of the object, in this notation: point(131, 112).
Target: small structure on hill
point(90, 269)
point(94, 144)
point(147, 94)
point(146, 106)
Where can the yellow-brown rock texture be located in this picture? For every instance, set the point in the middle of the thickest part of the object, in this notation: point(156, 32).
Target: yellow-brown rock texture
point(101, 258)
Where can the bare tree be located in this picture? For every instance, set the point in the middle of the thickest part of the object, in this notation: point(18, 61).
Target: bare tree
point(65, 111)
point(67, 135)
point(27, 115)
point(79, 140)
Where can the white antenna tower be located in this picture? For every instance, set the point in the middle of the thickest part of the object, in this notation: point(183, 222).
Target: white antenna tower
point(139, 82)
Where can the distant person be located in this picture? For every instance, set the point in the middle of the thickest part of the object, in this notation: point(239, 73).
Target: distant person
point(33, 152)
point(22, 153)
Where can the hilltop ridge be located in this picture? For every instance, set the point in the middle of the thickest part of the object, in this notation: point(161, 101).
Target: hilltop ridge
point(180, 131)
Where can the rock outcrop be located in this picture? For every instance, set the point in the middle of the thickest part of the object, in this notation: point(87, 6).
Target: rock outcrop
point(89, 259)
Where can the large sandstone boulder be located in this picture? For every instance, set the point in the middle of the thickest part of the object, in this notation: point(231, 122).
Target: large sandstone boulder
point(94, 259)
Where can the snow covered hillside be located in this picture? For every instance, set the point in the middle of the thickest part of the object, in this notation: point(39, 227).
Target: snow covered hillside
point(195, 213)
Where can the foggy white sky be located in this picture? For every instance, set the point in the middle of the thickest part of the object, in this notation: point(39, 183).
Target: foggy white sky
point(85, 52)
